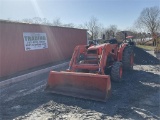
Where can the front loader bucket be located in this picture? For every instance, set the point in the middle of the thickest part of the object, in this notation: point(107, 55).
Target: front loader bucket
point(81, 85)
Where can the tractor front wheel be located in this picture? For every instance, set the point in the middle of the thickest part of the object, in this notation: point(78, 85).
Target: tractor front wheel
point(116, 72)
point(128, 58)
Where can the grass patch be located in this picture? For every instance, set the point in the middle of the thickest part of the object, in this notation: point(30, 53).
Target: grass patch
point(146, 47)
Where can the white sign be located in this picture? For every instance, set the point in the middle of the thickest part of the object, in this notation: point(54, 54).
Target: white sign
point(35, 41)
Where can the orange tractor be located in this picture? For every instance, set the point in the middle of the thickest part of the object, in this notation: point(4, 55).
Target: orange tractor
point(90, 71)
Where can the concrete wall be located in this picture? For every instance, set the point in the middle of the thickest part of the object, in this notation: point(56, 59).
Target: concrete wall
point(14, 58)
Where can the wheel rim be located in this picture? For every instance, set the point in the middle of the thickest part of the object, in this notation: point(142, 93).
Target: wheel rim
point(120, 72)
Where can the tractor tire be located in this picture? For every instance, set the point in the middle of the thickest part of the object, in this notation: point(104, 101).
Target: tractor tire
point(107, 69)
point(116, 72)
point(128, 58)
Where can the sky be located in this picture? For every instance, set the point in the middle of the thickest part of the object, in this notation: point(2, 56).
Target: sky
point(122, 13)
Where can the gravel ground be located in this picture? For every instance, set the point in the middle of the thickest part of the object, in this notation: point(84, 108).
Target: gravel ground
point(136, 97)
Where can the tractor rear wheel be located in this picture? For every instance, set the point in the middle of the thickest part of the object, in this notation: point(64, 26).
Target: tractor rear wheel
point(116, 72)
point(128, 58)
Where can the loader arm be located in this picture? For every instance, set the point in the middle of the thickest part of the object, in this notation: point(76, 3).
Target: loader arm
point(78, 83)
point(78, 49)
point(105, 52)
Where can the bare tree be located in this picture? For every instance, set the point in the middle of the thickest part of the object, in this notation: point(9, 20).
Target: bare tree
point(26, 20)
point(111, 31)
point(71, 25)
point(57, 22)
point(45, 21)
point(93, 27)
point(81, 26)
point(149, 19)
point(101, 32)
point(37, 20)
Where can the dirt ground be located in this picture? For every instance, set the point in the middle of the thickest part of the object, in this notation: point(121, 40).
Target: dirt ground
point(136, 97)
